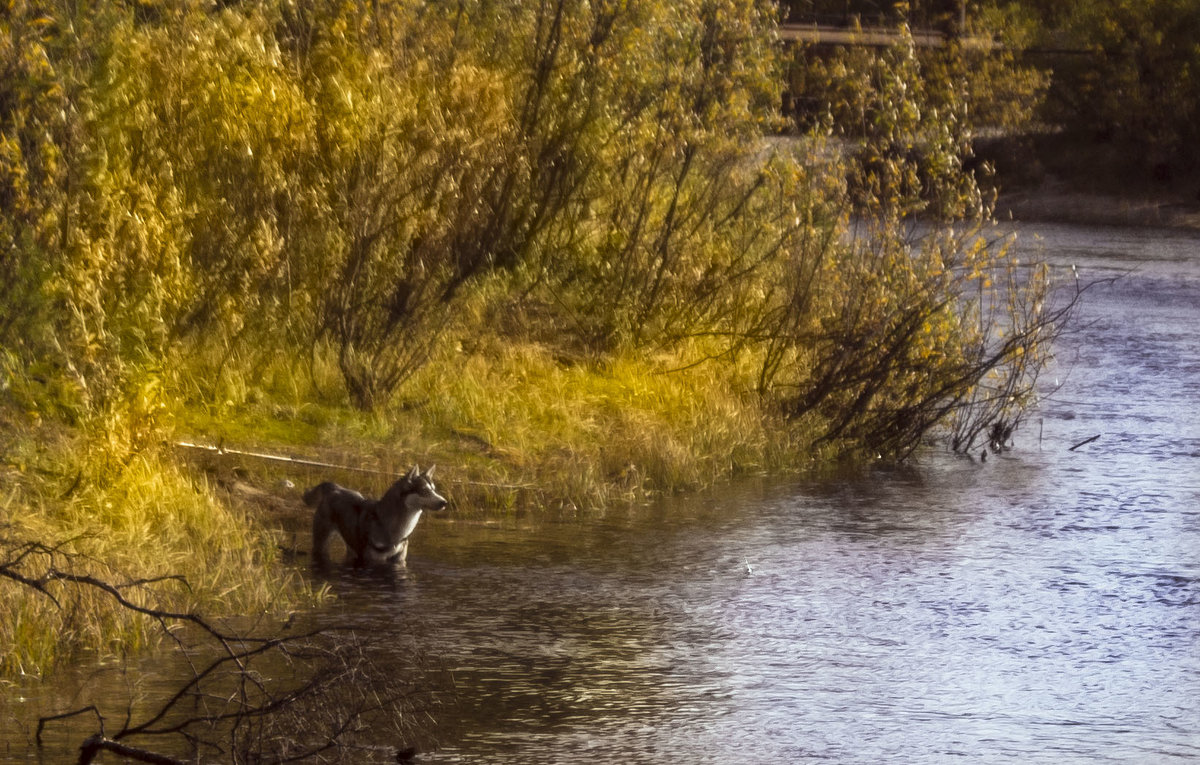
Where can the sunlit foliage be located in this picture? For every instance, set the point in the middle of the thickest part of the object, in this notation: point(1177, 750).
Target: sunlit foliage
point(903, 326)
point(317, 176)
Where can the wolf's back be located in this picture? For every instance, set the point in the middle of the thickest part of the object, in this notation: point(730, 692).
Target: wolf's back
point(313, 496)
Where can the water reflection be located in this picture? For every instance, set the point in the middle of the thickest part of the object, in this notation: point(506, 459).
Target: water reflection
point(1042, 605)
point(955, 614)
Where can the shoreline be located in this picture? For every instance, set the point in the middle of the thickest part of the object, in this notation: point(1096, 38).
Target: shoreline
point(1060, 177)
point(1056, 202)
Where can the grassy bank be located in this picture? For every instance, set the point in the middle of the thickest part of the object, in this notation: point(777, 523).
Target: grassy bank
point(550, 247)
point(513, 429)
point(161, 534)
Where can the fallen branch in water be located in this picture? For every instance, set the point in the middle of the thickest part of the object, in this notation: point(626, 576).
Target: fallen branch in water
point(96, 744)
point(278, 697)
point(1084, 442)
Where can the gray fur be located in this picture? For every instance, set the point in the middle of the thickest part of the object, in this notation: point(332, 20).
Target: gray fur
point(375, 531)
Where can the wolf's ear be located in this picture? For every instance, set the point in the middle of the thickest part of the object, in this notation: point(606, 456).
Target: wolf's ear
point(412, 474)
point(429, 472)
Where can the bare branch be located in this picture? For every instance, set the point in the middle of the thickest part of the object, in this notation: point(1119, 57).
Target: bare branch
point(97, 744)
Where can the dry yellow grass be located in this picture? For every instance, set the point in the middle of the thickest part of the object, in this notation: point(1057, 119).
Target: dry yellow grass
point(71, 505)
point(513, 426)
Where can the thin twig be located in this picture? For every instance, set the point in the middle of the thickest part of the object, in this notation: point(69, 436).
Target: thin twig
point(1084, 442)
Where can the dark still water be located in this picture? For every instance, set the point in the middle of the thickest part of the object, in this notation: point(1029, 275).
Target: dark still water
point(1043, 606)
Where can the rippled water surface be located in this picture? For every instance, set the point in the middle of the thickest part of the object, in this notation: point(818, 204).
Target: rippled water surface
point(1040, 606)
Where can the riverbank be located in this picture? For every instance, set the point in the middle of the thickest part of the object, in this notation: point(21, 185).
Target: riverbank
point(514, 429)
point(1057, 201)
point(1078, 179)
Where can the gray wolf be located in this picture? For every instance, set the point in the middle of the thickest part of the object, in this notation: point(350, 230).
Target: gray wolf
point(375, 531)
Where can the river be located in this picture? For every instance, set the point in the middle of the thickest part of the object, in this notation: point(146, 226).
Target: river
point(1041, 606)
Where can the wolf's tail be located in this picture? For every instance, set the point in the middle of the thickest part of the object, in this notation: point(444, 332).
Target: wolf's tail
point(313, 496)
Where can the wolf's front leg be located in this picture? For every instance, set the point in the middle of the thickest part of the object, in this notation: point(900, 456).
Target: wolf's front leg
point(400, 555)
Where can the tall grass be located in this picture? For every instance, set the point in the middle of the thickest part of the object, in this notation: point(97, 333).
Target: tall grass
point(514, 424)
point(124, 518)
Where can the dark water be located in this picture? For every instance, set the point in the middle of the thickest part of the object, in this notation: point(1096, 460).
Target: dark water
point(1042, 606)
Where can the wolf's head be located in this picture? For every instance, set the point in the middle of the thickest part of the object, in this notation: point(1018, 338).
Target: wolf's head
point(419, 491)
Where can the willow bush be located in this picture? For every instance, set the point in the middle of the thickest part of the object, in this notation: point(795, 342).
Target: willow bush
point(597, 153)
point(275, 178)
point(191, 127)
point(399, 157)
point(678, 219)
point(899, 326)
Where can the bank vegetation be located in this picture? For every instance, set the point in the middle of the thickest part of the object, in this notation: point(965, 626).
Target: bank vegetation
point(571, 251)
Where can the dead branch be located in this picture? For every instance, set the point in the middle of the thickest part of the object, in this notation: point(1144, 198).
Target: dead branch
point(230, 704)
point(1084, 442)
point(96, 744)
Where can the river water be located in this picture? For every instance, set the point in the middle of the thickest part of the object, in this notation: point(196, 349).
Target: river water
point(1041, 606)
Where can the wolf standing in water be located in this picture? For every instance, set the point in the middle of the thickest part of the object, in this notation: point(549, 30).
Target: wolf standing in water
point(375, 531)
